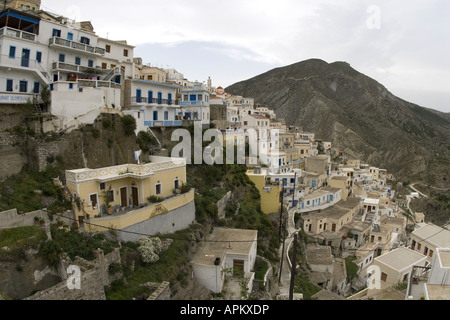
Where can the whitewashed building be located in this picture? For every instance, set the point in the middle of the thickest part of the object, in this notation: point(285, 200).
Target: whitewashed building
point(225, 252)
point(83, 72)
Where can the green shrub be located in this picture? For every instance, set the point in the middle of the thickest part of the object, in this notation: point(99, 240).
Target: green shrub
point(129, 125)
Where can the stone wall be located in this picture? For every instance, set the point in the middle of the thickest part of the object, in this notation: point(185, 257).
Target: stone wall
point(12, 219)
point(161, 293)
point(94, 277)
point(223, 203)
point(12, 158)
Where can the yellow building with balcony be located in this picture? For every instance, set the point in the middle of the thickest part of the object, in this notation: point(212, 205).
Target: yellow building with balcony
point(269, 191)
point(138, 199)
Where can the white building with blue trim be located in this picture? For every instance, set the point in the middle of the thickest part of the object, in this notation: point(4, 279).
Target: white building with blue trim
point(153, 104)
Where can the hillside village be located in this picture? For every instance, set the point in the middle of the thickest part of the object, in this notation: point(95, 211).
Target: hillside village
point(359, 239)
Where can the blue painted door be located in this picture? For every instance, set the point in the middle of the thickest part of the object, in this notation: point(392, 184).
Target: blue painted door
point(138, 95)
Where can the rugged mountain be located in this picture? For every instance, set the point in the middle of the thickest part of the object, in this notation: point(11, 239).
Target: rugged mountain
point(358, 115)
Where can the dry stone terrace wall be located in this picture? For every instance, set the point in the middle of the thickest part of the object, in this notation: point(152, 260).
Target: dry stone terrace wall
point(94, 277)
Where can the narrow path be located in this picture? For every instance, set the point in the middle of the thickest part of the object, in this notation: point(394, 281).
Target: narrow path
point(285, 282)
point(412, 187)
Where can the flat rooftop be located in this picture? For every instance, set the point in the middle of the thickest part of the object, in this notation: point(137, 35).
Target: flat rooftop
point(435, 235)
point(438, 292)
point(342, 178)
point(223, 241)
point(444, 256)
point(400, 258)
point(319, 255)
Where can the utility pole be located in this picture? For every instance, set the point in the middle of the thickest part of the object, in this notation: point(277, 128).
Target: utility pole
point(281, 208)
point(293, 193)
point(282, 256)
point(294, 266)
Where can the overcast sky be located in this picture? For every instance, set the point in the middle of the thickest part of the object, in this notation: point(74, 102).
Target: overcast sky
point(404, 45)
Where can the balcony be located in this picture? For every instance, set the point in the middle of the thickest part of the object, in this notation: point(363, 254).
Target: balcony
point(154, 102)
point(62, 66)
point(11, 32)
point(98, 84)
point(24, 64)
point(159, 124)
point(55, 41)
point(192, 103)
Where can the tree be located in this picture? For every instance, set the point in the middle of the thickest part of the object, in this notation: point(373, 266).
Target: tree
point(129, 125)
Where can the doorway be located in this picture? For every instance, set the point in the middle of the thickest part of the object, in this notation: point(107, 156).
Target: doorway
point(238, 267)
point(94, 200)
point(135, 196)
point(25, 58)
point(124, 197)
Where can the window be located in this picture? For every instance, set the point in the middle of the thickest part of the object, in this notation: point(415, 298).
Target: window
point(431, 253)
point(383, 276)
point(108, 48)
point(150, 97)
point(166, 115)
point(192, 97)
point(56, 33)
point(176, 184)
point(12, 52)
point(36, 88)
point(71, 88)
point(158, 188)
point(169, 98)
point(102, 186)
point(39, 57)
point(9, 85)
point(85, 40)
point(23, 86)
point(70, 36)
point(62, 57)
point(125, 52)
point(77, 61)
point(110, 195)
point(90, 63)
point(155, 115)
point(419, 245)
point(199, 97)
point(104, 66)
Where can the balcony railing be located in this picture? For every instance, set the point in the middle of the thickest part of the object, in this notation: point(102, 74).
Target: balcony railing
point(24, 63)
point(11, 32)
point(97, 84)
point(145, 100)
point(77, 46)
point(192, 103)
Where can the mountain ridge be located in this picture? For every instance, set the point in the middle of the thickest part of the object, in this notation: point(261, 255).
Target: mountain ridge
point(358, 115)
